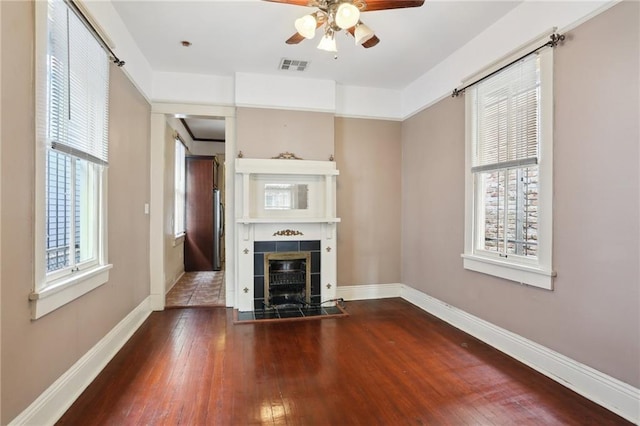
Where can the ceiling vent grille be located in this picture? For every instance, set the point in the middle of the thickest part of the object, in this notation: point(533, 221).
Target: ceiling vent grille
point(293, 65)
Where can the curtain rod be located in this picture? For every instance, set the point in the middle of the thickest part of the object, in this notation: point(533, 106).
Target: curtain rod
point(177, 136)
point(74, 7)
point(555, 39)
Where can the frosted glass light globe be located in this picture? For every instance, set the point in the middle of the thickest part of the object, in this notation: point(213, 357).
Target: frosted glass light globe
point(328, 43)
point(362, 34)
point(306, 26)
point(347, 16)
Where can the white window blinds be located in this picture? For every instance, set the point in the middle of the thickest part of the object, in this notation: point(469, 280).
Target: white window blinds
point(505, 117)
point(78, 88)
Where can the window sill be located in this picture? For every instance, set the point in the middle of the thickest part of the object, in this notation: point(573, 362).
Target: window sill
point(523, 274)
point(67, 289)
point(178, 239)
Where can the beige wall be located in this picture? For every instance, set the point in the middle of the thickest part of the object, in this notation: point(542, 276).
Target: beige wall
point(265, 133)
point(36, 353)
point(368, 155)
point(593, 315)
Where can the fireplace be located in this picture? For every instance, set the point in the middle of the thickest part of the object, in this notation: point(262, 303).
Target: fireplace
point(285, 222)
point(287, 279)
point(286, 274)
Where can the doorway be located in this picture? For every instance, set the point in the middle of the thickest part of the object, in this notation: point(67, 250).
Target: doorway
point(164, 251)
point(198, 182)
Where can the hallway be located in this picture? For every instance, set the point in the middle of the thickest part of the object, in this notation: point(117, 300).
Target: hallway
point(203, 288)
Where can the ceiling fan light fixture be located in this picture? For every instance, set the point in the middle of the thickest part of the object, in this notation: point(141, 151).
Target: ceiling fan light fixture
point(306, 26)
point(328, 43)
point(347, 15)
point(362, 34)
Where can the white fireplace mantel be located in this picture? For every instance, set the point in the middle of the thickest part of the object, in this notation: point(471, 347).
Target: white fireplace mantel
point(315, 222)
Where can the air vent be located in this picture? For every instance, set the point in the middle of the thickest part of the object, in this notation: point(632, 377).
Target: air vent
point(293, 65)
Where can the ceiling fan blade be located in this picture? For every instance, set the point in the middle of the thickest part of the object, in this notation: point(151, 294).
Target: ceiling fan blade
point(371, 42)
point(295, 39)
point(372, 5)
point(293, 2)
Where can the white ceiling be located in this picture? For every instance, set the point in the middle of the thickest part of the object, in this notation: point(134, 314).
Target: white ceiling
point(248, 36)
point(205, 129)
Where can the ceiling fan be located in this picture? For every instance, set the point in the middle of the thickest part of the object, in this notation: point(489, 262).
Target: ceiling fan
point(337, 15)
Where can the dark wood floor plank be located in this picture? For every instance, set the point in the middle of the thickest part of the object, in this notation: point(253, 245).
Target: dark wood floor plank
point(388, 363)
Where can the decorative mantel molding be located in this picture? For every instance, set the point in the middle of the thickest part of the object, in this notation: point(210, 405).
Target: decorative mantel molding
point(286, 156)
point(287, 233)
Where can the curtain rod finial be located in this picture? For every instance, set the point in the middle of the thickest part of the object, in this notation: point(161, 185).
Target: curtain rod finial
point(556, 39)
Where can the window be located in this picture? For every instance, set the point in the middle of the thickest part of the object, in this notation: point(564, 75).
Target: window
point(180, 189)
point(73, 88)
point(509, 172)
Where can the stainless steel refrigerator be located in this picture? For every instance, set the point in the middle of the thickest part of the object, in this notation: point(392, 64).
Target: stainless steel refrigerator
point(218, 230)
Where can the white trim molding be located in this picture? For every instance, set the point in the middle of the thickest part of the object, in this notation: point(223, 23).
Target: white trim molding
point(609, 392)
point(67, 289)
point(369, 292)
point(57, 398)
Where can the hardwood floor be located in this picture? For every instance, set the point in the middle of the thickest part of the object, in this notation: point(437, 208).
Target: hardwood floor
point(388, 363)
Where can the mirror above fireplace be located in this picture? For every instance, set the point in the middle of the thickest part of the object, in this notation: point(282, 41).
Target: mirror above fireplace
point(286, 196)
point(286, 191)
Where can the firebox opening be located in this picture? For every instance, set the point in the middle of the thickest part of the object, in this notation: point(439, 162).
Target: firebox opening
point(287, 280)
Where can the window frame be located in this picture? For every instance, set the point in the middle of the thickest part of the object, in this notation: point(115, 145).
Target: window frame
point(91, 190)
point(177, 233)
point(52, 290)
point(533, 272)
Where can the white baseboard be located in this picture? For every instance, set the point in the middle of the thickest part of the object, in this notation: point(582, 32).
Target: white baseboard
point(175, 281)
point(614, 395)
point(368, 292)
point(54, 401)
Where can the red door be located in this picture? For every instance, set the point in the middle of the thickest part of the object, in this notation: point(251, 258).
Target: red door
point(198, 246)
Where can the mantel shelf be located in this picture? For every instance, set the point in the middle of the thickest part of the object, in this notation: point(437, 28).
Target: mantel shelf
point(253, 166)
point(247, 221)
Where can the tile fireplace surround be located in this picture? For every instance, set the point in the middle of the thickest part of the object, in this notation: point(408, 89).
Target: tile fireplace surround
point(310, 225)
